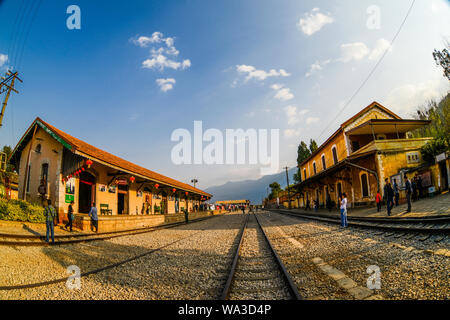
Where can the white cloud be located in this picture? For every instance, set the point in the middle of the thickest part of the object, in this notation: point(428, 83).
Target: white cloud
point(313, 21)
point(159, 55)
point(260, 75)
point(380, 48)
point(290, 133)
point(311, 120)
point(293, 114)
point(406, 98)
point(3, 59)
point(317, 66)
point(353, 51)
point(283, 94)
point(165, 84)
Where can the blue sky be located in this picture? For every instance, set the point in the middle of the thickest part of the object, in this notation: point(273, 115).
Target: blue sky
point(100, 83)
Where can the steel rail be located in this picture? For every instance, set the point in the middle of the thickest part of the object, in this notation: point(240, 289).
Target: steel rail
point(227, 288)
point(291, 284)
point(380, 225)
point(228, 285)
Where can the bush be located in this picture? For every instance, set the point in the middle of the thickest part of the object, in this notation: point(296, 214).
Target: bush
point(19, 210)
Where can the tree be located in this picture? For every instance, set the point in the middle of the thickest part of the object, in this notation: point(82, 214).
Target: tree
point(313, 146)
point(302, 152)
point(8, 151)
point(275, 188)
point(443, 59)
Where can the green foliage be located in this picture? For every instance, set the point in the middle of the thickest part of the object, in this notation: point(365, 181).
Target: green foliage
point(8, 150)
point(442, 59)
point(439, 129)
point(156, 208)
point(298, 176)
point(302, 152)
point(313, 146)
point(432, 149)
point(19, 210)
point(276, 188)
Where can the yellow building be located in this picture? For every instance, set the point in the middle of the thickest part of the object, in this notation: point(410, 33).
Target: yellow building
point(233, 202)
point(369, 147)
point(72, 170)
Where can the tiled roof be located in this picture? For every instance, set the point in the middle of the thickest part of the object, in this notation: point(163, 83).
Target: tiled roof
point(96, 153)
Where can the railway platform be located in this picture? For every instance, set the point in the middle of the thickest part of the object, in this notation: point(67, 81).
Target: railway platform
point(438, 206)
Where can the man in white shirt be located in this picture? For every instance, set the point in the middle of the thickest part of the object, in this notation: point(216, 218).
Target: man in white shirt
point(344, 222)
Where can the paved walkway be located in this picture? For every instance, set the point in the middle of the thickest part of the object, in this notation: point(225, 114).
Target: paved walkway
point(37, 229)
point(436, 206)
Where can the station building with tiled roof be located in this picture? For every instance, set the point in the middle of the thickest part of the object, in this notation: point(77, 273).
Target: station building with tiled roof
point(73, 170)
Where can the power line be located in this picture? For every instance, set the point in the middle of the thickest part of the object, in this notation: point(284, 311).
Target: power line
point(33, 17)
point(371, 72)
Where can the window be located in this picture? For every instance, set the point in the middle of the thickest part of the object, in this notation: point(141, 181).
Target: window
point(335, 157)
point(413, 157)
point(314, 167)
point(44, 172)
point(364, 185)
point(324, 165)
point(381, 137)
point(304, 173)
point(28, 178)
point(38, 148)
point(355, 146)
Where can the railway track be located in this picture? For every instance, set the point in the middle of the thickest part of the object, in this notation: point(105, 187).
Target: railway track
point(33, 240)
point(257, 271)
point(424, 228)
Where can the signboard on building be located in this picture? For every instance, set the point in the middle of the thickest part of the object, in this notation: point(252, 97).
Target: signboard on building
point(440, 157)
point(70, 186)
point(70, 198)
point(121, 182)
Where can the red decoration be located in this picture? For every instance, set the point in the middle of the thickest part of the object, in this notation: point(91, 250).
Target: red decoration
point(156, 186)
point(89, 162)
point(132, 179)
point(82, 169)
point(187, 193)
point(173, 190)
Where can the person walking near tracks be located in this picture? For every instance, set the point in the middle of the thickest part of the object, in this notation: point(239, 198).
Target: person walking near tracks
point(344, 223)
point(408, 190)
point(378, 200)
point(50, 214)
point(186, 215)
point(70, 216)
point(94, 217)
point(388, 195)
point(396, 192)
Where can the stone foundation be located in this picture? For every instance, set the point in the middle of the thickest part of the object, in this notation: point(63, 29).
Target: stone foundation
point(130, 222)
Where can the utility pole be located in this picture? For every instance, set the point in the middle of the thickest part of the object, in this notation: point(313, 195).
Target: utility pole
point(194, 181)
point(7, 85)
point(289, 192)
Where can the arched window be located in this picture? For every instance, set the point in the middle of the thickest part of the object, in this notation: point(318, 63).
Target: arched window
point(324, 164)
point(314, 167)
point(304, 173)
point(364, 185)
point(38, 148)
point(335, 157)
point(44, 172)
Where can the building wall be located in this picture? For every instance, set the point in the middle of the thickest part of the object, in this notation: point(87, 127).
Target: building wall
point(51, 153)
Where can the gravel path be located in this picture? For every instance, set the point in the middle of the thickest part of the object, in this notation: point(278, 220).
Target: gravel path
point(192, 268)
point(405, 274)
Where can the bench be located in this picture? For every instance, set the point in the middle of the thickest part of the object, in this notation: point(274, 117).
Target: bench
point(104, 209)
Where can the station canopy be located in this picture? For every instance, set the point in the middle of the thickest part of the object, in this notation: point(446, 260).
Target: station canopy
point(384, 126)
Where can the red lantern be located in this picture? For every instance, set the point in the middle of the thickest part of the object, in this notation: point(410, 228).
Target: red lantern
point(82, 169)
point(132, 179)
point(173, 190)
point(187, 193)
point(89, 162)
point(156, 186)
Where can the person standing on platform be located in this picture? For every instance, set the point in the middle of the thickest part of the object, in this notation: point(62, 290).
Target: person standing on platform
point(50, 214)
point(308, 205)
point(396, 192)
point(388, 195)
point(408, 190)
point(344, 223)
point(94, 217)
point(419, 187)
point(70, 216)
point(378, 200)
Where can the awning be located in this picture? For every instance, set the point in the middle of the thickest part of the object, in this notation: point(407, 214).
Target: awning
point(377, 126)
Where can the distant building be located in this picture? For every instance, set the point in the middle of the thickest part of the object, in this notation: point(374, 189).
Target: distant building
point(54, 165)
point(367, 148)
point(233, 202)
